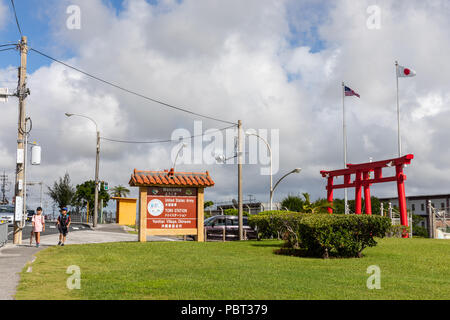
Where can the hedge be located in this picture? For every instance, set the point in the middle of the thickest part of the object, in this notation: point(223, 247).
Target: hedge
point(322, 235)
point(269, 224)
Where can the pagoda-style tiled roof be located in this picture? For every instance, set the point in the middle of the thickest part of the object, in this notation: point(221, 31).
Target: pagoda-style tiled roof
point(170, 178)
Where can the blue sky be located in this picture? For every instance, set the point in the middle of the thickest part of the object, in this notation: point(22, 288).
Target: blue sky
point(33, 19)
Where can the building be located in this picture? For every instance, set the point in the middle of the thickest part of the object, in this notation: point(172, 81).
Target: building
point(418, 204)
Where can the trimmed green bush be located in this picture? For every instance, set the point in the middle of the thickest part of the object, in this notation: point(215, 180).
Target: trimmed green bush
point(269, 224)
point(322, 235)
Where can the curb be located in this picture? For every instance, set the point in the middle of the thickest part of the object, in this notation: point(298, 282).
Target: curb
point(77, 223)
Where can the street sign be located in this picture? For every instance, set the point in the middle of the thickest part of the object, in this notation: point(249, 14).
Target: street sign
point(19, 209)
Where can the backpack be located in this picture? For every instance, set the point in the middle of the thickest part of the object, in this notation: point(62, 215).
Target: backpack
point(63, 222)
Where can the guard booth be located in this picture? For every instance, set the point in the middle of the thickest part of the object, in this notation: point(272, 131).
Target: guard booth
point(125, 211)
point(171, 203)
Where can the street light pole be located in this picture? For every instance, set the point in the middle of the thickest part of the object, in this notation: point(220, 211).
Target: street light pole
point(298, 170)
point(249, 133)
point(184, 145)
point(240, 196)
point(97, 164)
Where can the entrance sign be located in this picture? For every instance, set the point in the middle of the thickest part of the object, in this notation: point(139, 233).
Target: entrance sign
point(171, 208)
point(363, 179)
point(171, 203)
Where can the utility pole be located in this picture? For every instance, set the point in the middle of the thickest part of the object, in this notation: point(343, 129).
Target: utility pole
point(240, 199)
point(22, 93)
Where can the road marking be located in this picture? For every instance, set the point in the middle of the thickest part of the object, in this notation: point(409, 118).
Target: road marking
point(75, 228)
point(52, 227)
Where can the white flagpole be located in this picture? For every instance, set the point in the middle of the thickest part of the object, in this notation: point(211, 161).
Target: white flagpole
point(398, 114)
point(345, 145)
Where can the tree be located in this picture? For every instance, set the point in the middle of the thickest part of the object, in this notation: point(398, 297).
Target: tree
point(319, 206)
point(339, 206)
point(208, 204)
point(234, 212)
point(62, 192)
point(293, 203)
point(120, 191)
point(85, 193)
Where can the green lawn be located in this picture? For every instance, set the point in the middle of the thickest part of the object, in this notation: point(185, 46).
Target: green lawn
point(410, 269)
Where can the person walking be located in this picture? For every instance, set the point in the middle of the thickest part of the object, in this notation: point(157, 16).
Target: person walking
point(32, 232)
point(63, 224)
point(38, 222)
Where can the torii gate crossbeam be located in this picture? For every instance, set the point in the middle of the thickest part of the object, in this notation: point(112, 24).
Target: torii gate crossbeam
point(363, 180)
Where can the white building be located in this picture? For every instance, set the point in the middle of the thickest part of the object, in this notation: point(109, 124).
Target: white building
point(418, 204)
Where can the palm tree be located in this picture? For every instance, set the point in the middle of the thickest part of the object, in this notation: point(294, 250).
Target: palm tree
point(120, 191)
point(319, 206)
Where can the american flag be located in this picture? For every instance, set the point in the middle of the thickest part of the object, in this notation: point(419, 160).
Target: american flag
point(349, 92)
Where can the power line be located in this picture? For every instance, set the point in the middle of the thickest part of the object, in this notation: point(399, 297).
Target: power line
point(130, 91)
point(7, 49)
point(163, 141)
point(8, 44)
point(17, 20)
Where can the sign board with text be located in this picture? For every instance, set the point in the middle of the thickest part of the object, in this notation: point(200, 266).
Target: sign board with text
point(170, 208)
point(171, 203)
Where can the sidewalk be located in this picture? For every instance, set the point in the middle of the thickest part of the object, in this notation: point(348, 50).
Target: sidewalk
point(14, 257)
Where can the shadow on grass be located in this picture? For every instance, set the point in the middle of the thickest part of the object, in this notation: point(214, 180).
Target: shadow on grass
point(268, 245)
point(303, 253)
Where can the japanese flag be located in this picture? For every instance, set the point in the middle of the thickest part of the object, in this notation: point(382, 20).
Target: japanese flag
point(404, 72)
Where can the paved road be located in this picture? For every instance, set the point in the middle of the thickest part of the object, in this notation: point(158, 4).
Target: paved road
point(50, 228)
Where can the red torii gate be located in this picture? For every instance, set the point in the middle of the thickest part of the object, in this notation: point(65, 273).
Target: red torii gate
point(362, 172)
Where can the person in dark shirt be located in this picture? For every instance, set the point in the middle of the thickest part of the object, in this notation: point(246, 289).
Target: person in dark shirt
point(63, 224)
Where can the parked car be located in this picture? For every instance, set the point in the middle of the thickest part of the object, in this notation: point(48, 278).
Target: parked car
point(30, 214)
point(7, 214)
point(216, 225)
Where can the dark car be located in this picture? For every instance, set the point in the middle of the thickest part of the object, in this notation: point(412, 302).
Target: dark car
point(30, 214)
point(7, 214)
point(218, 226)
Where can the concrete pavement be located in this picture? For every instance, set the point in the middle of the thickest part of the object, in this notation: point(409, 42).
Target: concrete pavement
point(14, 257)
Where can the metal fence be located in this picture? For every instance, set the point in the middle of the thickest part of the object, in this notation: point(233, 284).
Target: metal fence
point(3, 234)
point(105, 218)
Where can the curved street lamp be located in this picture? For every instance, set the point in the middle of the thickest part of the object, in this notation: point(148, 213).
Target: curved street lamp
point(250, 133)
point(298, 170)
point(97, 162)
point(184, 145)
